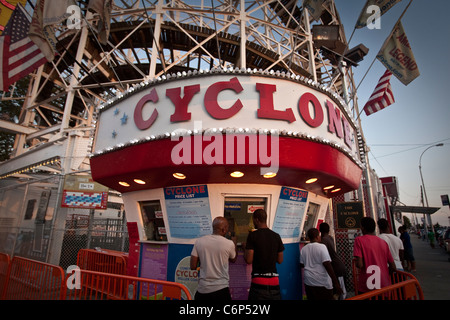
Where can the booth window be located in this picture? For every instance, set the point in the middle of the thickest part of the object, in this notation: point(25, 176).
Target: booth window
point(311, 217)
point(152, 218)
point(238, 211)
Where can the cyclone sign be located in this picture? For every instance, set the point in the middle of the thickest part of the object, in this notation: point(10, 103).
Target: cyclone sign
point(349, 215)
point(186, 276)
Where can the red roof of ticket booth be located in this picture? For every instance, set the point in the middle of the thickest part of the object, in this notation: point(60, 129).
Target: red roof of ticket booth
point(299, 161)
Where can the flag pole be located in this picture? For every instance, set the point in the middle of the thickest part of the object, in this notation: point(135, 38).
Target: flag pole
point(406, 9)
point(351, 37)
point(384, 44)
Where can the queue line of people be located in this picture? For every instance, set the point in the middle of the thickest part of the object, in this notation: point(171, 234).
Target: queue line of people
point(324, 272)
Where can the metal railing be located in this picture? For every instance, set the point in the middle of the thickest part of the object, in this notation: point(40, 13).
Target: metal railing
point(404, 290)
point(26, 279)
point(106, 286)
point(102, 260)
point(404, 286)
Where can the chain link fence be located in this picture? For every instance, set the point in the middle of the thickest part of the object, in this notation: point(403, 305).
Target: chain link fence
point(81, 232)
point(33, 225)
point(34, 244)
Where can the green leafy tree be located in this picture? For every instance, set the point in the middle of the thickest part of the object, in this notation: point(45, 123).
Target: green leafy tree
point(406, 222)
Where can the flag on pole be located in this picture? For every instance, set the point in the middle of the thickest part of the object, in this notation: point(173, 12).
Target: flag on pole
point(19, 56)
point(103, 8)
point(43, 35)
point(397, 56)
point(6, 9)
point(55, 11)
point(382, 96)
point(367, 12)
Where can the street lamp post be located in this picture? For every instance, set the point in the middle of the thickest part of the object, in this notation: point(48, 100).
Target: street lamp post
point(423, 185)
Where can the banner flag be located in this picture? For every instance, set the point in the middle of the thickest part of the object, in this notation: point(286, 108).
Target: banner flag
point(55, 11)
point(397, 56)
point(384, 6)
point(43, 36)
point(103, 8)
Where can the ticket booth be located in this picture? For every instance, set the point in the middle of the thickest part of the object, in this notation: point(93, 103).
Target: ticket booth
point(168, 227)
point(224, 144)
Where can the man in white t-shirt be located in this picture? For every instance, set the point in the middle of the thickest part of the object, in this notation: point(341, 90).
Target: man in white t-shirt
point(213, 252)
point(394, 243)
point(319, 277)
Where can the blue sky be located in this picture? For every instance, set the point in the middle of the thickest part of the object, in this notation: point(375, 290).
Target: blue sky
point(398, 135)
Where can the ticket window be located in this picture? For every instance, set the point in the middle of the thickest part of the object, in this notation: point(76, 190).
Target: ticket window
point(152, 218)
point(238, 212)
point(310, 219)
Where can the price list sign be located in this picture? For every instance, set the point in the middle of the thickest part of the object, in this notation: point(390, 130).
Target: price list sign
point(290, 212)
point(188, 211)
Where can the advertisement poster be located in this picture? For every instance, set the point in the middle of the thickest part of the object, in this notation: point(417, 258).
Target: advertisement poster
point(290, 211)
point(188, 211)
point(153, 265)
point(186, 276)
point(154, 261)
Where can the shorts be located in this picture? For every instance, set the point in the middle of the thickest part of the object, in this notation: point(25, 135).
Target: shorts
point(264, 292)
point(408, 254)
point(318, 293)
point(219, 295)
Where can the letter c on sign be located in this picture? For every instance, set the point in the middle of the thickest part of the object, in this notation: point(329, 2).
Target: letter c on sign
point(211, 95)
point(138, 118)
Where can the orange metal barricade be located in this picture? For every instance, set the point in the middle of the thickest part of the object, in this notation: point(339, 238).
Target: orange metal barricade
point(33, 280)
point(404, 287)
point(396, 277)
point(400, 276)
point(26, 279)
point(405, 290)
point(108, 261)
point(106, 286)
point(4, 265)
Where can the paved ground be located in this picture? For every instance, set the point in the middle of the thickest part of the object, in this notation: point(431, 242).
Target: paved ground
point(433, 270)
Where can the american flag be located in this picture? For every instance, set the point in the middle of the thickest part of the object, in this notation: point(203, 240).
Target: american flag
point(19, 56)
point(382, 96)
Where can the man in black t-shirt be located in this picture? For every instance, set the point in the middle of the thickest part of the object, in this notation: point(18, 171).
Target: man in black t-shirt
point(264, 249)
point(336, 262)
